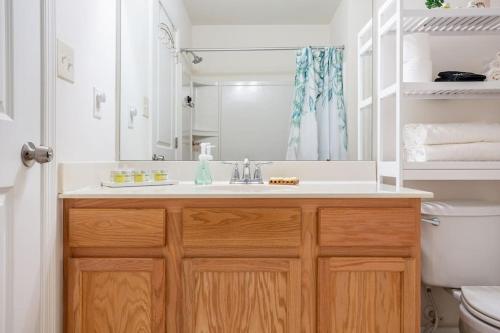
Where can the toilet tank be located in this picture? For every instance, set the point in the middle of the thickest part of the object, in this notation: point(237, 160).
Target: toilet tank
point(464, 249)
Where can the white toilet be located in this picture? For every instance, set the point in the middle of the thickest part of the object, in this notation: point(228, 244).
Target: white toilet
point(463, 253)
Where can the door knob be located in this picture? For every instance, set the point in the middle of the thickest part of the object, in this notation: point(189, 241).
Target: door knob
point(40, 154)
point(158, 157)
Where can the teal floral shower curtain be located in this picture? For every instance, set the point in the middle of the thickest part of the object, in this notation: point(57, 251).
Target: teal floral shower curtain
point(319, 121)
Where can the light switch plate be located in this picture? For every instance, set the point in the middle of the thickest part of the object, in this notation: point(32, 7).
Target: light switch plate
point(145, 107)
point(132, 113)
point(65, 62)
point(99, 100)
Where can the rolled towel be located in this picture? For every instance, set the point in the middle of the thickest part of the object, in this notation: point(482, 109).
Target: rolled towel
point(493, 74)
point(479, 151)
point(416, 47)
point(418, 70)
point(494, 64)
point(450, 133)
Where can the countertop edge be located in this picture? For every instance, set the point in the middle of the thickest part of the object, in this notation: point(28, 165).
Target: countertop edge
point(252, 196)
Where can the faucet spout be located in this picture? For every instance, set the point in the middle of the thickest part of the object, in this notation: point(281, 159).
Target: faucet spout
point(246, 175)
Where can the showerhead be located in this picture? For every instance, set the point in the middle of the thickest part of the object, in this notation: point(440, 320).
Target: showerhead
point(196, 59)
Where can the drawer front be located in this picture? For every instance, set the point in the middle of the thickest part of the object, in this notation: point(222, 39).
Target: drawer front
point(241, 227)
point(383, 227)
point(116, 227)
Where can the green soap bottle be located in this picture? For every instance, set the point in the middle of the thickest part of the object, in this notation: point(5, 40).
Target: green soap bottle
point(203, 174)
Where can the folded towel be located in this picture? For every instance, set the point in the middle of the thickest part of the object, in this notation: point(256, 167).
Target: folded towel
point(479, 151)
point(493, 74)
point(454, 76)
point(494, 64)
point(450, 133)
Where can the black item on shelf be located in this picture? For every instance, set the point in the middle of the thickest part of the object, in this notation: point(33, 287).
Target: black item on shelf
point(454, 76)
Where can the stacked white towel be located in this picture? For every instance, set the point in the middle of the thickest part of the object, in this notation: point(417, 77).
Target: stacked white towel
point(493, 70)
point(452, 142)
point(417, 63)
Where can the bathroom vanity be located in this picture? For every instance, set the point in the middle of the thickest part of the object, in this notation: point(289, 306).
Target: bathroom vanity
point(315, 258)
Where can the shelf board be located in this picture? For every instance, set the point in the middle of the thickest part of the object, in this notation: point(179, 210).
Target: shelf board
point(452, 21)
point(389, 26)
point(365, 103)
point(203, 133)
point(388, 91)
point(452, 90)
point(452, 170)
point(388, 168)
point(366, 49)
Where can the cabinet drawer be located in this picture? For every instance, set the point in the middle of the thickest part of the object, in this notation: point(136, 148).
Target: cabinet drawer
point(367, 227)
point(241, 227)
point(116, 227)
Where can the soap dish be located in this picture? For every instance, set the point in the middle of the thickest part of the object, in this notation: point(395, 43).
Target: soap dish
point(284, 181)
point(149, 183)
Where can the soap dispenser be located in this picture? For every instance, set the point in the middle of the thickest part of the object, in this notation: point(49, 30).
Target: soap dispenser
point(203, 174)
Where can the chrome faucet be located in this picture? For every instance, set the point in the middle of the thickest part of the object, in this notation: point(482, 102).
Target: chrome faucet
point(246, 175)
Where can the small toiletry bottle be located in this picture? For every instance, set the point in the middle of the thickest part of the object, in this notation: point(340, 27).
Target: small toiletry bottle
point(203, 174)
point(159, 175)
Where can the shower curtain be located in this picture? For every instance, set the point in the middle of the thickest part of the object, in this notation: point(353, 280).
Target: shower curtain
point(319, 121)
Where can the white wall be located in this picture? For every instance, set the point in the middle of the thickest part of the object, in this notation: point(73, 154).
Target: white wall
point(136, 78)
point(348, 20)
point(254, 64)
point(179, 15)
point(89, 27)
point(255, 121)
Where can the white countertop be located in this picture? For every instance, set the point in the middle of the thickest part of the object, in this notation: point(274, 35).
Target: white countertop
point(186, 190)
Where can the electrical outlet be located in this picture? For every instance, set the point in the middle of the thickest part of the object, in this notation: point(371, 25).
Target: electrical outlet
point(65, 62)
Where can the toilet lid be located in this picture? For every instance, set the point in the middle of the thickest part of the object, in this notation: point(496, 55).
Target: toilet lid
point(484, 303)
point(461, 208)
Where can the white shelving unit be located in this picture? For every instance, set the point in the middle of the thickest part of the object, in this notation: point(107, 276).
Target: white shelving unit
point(365, 90)
point(452, 171)
point(393, 23)
point(389, 25)
point(452, 21)
point(452, 90)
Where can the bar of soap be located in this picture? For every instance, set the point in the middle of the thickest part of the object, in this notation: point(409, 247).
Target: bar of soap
point(284, 181)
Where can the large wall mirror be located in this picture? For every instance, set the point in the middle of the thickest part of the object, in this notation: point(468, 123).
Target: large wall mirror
point(281, 80)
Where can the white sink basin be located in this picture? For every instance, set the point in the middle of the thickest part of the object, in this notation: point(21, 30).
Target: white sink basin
point(247, 188)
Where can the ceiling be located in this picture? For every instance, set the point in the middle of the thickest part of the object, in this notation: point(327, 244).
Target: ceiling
point(261, 12)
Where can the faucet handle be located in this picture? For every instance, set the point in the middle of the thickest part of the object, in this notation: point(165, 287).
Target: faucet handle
point(235, 175)
point(258, 171)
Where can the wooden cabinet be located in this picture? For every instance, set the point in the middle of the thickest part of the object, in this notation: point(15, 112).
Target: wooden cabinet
point(116, 227)
point(376, 295)
point(366, 227)
point(241, 227)
point(242, 265)
point(116, 295)
point(242, 295)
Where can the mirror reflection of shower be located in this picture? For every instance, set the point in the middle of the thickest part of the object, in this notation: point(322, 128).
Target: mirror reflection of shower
point(196, 58)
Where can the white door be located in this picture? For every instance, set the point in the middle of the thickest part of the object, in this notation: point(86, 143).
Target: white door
point(165, 142)
point(20, 186)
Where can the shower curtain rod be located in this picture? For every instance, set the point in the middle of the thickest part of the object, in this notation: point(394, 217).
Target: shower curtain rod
point(257, 49)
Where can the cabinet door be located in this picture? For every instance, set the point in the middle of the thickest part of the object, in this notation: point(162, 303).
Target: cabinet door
point(242, 295)
point(368, 295)
point(116, 295)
